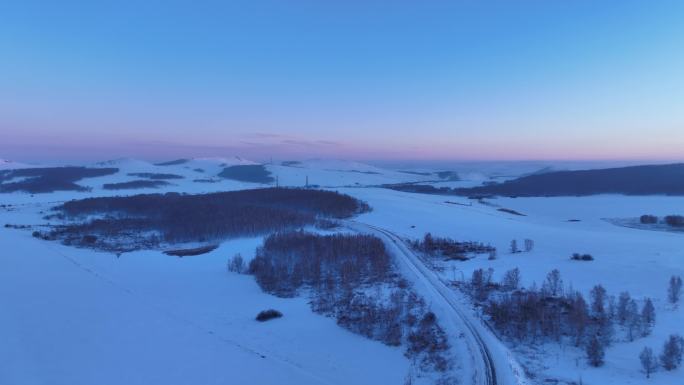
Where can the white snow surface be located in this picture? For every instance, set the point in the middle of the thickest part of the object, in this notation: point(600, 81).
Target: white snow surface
point(75, 316)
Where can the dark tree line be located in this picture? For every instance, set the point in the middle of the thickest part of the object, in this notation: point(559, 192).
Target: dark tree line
point(350, 277)
point(449, 248)
point(174, 217)
point(135, 184)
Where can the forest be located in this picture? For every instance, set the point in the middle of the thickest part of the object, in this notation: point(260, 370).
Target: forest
point(174, 217)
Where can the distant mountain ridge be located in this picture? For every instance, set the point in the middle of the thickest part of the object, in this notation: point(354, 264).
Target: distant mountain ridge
point(633, 180)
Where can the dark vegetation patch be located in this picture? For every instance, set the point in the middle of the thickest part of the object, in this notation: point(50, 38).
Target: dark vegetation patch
point(191, 252)
point(351, 278)
point(634, 180)
point(50, 179)
point(148, 220)
point(448, 175)
point(450, 249)
point(416, 173)
point(135, 184)
point(418, 188)
point(256, 173)
point(173, 162)
point(291, 163)
point(511, 211)
point(206, 180)
point(459, 204)
point(674, 220)
point(648, 219)
point(18, 227)
point(365, 172)
point(266, 315)
point(582, 257)
point(155, 176)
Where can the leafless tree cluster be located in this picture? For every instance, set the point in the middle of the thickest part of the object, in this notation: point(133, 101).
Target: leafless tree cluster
point(554, 312)
point(449, 248)
point(350, 277)
point(670, 358)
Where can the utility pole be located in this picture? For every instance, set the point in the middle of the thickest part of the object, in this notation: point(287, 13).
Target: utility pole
point(307, 181)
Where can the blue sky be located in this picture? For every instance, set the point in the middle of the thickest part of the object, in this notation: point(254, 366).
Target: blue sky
point(484, 80)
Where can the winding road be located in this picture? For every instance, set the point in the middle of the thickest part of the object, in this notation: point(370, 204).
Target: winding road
point(493, 363)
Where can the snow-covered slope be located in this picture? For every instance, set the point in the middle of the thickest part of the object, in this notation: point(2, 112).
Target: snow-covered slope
point(79, 317)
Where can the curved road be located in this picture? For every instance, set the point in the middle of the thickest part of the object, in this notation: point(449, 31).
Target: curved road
point(494, 363)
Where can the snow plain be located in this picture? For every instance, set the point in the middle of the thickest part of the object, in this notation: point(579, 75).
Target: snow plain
point(74, 316)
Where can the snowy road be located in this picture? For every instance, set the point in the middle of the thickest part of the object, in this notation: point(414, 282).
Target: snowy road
point(492, 363)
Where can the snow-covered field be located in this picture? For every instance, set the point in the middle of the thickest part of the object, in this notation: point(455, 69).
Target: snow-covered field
point(638, 261)
point(75, 316)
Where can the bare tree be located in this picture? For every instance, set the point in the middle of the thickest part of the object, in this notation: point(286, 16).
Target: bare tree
point(623, 301)
point(634, 322)
point(671, 357)
point(514, 247)
point(598, 300)
point(674, 291)
point(595, 352)
point(236, 264)
point(553, 285)
point(648, 361)
point(647, 317)
point(511, 279)
point(529, 245)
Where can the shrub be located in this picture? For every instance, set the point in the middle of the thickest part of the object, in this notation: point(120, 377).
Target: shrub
point(675, 220)
point(269, 314)
point(648, 219)
point(582, 257)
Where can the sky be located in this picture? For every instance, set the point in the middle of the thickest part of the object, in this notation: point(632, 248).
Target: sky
point(363, 80)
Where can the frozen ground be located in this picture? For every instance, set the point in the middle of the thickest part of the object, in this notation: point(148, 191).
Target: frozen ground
point(74, 316)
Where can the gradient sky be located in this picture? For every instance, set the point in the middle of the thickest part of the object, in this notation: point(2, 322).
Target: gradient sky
point(354, 79)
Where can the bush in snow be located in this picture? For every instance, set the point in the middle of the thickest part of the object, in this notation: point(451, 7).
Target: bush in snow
point(582, 257)
point(269, 314)
point(675, 220)
point(648, 219)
